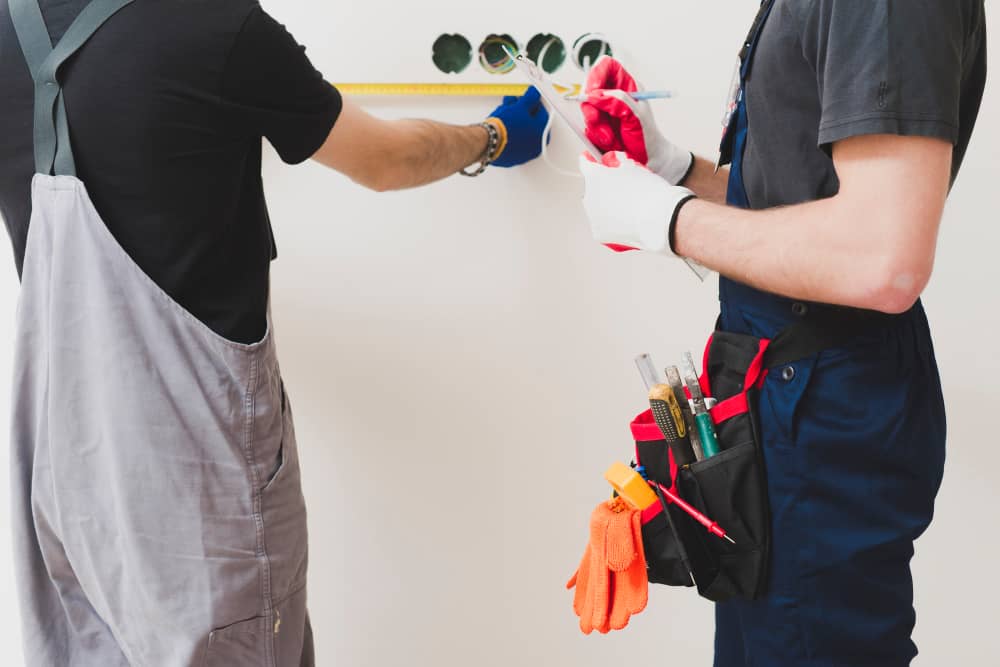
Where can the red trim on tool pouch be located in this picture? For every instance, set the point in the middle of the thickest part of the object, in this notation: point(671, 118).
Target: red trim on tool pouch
point(729, 408)
point(754, 377)
point(651, 512)
point(620, 248)
point(644, 428)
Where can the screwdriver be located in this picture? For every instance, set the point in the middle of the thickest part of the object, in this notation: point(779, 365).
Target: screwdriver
point(675, 382)
point(668, 416)
point(647, 369)
point(703, 420)
point(712, 526)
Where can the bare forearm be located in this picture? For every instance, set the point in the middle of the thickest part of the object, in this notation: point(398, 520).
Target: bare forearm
point(808, 251)
point(428, 151)
point(706, 182)
point(397, 154)
point(870, 246)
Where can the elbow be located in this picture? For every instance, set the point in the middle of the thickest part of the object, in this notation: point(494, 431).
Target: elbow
point(389, 173)
point(379, 185)
point(896, 286)
point(377, 180)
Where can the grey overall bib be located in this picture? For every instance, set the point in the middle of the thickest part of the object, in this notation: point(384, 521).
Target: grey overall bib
point(158, 513)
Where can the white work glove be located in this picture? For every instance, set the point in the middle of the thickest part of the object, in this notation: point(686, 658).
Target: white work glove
point(616, 122)
point(628, 205)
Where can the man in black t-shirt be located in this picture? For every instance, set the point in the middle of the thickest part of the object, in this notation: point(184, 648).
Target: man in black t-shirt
point(158, 516)
point(847, 129)
point(167, 125)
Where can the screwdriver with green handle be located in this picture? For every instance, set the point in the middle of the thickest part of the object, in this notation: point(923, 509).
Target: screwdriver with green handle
point(702, 420)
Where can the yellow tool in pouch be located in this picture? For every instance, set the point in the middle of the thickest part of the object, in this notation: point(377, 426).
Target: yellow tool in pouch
point(630, 486)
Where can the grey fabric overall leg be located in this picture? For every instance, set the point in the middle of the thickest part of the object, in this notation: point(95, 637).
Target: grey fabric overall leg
point(158, 512)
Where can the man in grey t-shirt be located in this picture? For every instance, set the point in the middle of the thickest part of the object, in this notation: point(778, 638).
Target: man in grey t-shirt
point(846, 131)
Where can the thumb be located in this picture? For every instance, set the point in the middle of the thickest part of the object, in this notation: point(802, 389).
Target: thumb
point(614, 159)
point(531, 97)
point(510, 100)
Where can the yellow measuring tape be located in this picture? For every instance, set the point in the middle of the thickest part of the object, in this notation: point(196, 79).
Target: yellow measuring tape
point(440, 89)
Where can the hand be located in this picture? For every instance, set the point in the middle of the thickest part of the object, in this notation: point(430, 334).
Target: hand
point(628, 205)
point(521, 121)
point(616, 122)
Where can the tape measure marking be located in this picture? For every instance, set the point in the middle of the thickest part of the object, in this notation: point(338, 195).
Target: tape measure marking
point(439, 89)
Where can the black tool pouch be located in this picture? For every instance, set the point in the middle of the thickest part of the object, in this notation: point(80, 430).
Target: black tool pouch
point(730, 488)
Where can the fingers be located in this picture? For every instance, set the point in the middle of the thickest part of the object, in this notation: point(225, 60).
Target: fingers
point(614, 123)
point(613, 159)
point(510, 100)
point(615, 103)
point(609, 73)
point(531, 100)
point(625, 98)
point(602, 129)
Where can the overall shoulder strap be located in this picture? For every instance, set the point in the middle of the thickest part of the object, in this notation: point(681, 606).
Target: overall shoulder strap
point(53, 153)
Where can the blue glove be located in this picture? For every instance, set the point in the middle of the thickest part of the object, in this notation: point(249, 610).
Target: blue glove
point(524, 119)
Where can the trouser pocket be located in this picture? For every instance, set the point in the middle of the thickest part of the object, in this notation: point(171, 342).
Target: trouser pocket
point(277, 639)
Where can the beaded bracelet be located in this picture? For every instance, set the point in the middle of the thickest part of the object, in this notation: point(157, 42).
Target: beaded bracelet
point(491, 150)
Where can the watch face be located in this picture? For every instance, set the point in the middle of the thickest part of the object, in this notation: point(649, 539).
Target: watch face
point(452, 54)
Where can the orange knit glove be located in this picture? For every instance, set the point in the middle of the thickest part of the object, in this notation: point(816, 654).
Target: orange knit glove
point(611, 583)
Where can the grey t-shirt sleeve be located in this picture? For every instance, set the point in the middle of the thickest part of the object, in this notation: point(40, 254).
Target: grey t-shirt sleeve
point(887, 66)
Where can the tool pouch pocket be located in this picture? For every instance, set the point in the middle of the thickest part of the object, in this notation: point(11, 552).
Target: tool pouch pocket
point(730, 488)
point(661, 523)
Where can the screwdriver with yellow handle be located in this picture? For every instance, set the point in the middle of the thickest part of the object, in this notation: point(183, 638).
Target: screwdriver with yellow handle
point(669, 417)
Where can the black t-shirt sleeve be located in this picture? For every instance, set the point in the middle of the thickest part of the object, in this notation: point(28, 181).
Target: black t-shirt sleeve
point(271, 89)
point(888, 66)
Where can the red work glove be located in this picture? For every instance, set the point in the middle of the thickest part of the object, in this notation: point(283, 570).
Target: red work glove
point(616, 122)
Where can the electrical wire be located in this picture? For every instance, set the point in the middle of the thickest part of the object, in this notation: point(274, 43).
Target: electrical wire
point(546, 135)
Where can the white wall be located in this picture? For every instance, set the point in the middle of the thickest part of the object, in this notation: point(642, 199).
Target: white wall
point(460, 362)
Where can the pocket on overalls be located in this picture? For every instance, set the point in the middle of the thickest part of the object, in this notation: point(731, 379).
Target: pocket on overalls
point(278, 464)
point(241, 644)
point(277, 638)
point(781, 398)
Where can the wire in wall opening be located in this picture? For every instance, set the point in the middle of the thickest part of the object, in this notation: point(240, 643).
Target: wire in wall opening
point(589, 48)
point(492, 56)
point(547, 50)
